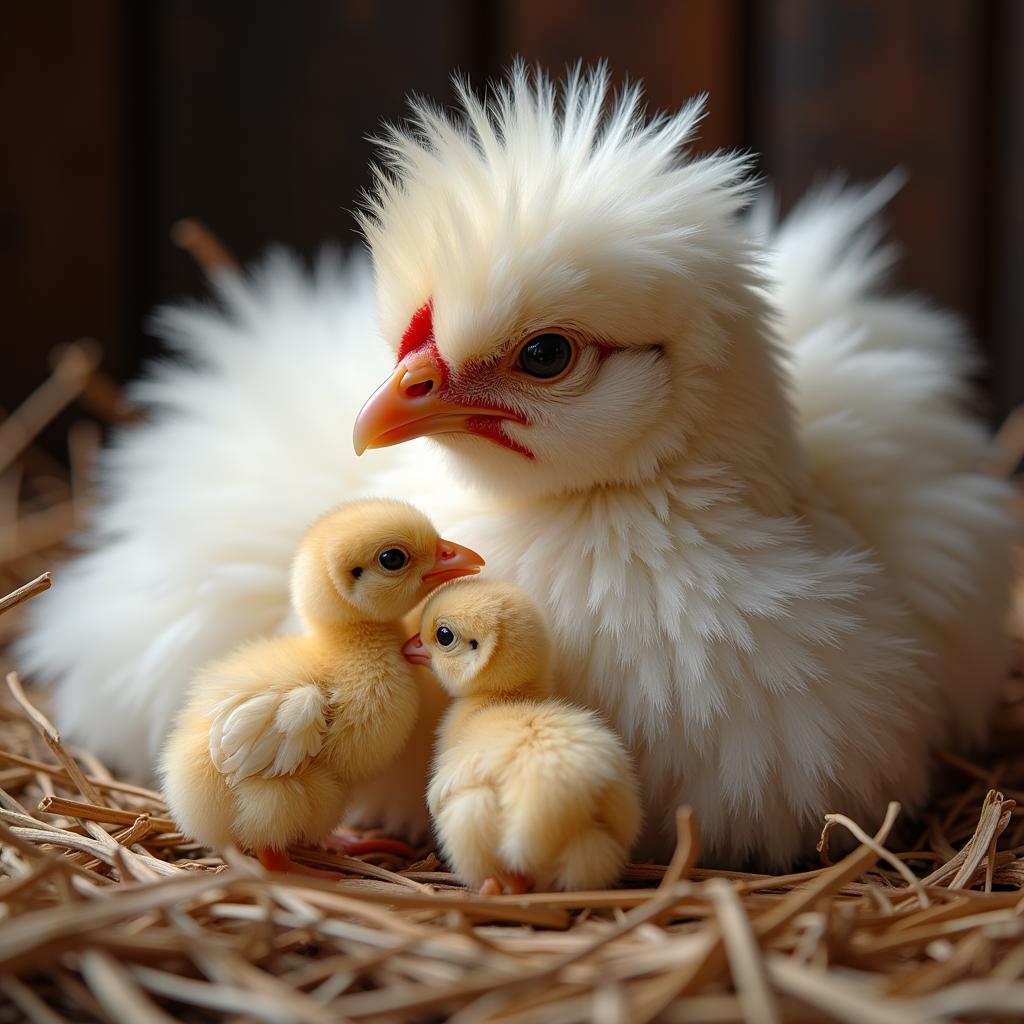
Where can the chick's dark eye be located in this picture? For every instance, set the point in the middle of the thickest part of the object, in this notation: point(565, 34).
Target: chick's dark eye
point(393, 559)
point(445, 637)
point(545, 356)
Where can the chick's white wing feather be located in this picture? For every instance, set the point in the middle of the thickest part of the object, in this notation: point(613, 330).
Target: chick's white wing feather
point(301, 725)
point(271, 734)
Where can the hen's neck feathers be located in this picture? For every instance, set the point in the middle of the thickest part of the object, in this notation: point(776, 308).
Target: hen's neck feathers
point(749, 428)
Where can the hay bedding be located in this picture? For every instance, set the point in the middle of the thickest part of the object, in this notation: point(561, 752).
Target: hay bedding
point(107, 913)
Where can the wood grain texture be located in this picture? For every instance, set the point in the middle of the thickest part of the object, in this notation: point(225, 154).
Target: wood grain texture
point(260, 114)
point(864, 86)
point(1007, 212)
point(61, 184)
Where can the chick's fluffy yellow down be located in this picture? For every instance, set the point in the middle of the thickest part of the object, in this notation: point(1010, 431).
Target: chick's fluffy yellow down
point(369, 703)
point(543, 790)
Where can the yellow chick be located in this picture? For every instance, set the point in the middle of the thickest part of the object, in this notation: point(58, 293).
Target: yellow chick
point(272, 736)
point(527, 791)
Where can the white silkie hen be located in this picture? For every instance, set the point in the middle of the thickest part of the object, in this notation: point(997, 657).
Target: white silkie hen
point(740, 479)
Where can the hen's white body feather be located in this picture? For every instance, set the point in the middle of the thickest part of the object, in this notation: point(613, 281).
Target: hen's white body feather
point(782, 614)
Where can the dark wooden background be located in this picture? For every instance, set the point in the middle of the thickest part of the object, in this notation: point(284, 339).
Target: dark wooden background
point(120, 117)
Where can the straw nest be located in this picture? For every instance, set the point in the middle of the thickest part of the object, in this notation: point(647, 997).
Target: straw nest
point(108, 913)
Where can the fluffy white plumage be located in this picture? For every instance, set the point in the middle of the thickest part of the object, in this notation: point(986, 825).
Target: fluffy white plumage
point(756, 498)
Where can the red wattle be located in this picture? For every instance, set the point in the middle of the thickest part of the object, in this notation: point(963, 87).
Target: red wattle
point(491, 428)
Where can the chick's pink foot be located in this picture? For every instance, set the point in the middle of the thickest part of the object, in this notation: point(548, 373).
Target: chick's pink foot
point(352, 846)
point(281, 863)
point(514, 885)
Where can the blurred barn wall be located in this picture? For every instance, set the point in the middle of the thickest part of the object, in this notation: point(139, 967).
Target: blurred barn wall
point(121, 117)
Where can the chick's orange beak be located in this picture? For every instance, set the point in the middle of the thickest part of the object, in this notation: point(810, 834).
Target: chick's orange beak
point(452, 561)
point(415, 651)
point(409, 404)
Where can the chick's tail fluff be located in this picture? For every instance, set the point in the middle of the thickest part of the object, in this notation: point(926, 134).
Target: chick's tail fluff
point(594, 858)
point(882, 400)
point(570, 802)
point(247, 440)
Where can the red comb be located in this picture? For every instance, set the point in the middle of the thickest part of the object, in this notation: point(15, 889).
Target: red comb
point(420, 331)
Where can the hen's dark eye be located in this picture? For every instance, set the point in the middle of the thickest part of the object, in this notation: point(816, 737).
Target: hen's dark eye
point(545, 356)
point(393, 559)
point(445, 637)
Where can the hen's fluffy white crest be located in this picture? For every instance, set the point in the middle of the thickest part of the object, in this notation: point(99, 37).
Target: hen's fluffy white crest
point(753, 506)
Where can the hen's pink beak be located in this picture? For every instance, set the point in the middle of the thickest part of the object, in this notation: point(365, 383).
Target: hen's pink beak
point(415, 651)
point(409, 404)
point(452, 561)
